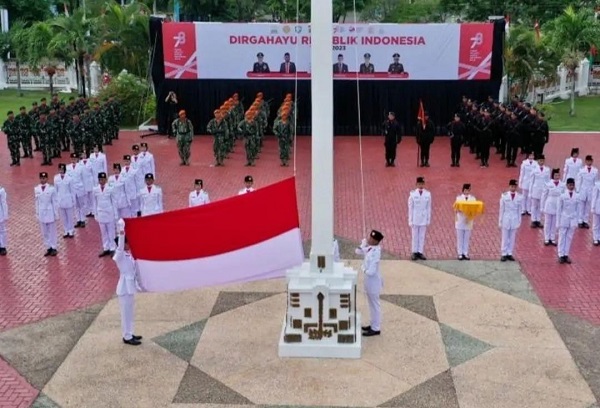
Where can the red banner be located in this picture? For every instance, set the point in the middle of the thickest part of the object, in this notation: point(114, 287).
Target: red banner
point(475, 56)
point(181, 60)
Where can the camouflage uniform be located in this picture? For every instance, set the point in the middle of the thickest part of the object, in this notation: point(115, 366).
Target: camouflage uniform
point(24, 126)
point(63, 120)
point(248, 130)
point(219, 131)
point(43, 108)
point(44, 131)
point(34, 114)
point(105, 124)
point(87, 125)
point(184, 133)
point(283, 131)
point(12, 135)
point(75, 132)
point(54, 134)
point(95, 130)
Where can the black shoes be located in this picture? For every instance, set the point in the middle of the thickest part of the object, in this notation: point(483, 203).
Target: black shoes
point(463, 258)
point(564, 260)
point(3, 252)
point(51, 252)
point(505, 258)
point(370, 332)
point(537, 224)
point(584, 225)
point(417, 255)
point(133, 341)
point(105, 253)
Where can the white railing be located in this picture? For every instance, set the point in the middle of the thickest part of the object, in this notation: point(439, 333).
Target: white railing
point(559, 88)
point(64, 80)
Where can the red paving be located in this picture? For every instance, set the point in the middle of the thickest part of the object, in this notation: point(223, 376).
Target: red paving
point(33, 287)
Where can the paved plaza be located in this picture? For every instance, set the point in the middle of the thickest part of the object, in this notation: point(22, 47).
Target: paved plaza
point(455, 334)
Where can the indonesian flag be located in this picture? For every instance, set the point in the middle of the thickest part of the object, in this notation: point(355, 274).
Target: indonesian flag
point(421, 114)
point(245, 238)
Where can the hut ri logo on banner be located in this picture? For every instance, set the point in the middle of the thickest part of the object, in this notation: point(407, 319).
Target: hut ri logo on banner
point(475, 55)
point(179, 39)
point(181, 59)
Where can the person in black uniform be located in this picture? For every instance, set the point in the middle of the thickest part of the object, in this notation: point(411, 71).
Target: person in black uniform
point(393, 137)
point(471, 134)
point(540, 135)
point(396, 67)
point(456, 131)
point(260, 66)
point(425, 136)
point(171, 101)
point(512, 135)
point(287, 66)
point(366, 67)
point(484, 130)
point(340, 67)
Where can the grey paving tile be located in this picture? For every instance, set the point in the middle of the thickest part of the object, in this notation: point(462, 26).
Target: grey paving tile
point(461, 347)
point(347, 248)
point(43, 401)
point(38, 349)
point(437, 392)
point(422, 305)
point(227, 301)
point(197, 387)
point(182, 342)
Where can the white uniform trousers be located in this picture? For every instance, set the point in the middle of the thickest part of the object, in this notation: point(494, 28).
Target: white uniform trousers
point(90, 203)
point(127, 307)
point(66, 215)
point(49, 234)
point(418, 238)
point(125, 212)
point(3, 239)
point(595, 227)
point(134, 206)
point(550, 227)
point(81, 208)
point(584, 209)
point(526, 206)
point(536, 211)
point(374, 311)
point(565, 237)
point(463, 237)
point(108, 232)
point(509, 236)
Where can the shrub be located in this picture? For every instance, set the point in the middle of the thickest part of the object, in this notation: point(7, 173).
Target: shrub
point(132, 92)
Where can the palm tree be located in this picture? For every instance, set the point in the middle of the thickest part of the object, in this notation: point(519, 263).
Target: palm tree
point(572, 34)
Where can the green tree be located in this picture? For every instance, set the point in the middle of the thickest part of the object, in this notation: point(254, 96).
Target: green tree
point(571, 35)
point(28, 11)
point(403, 11)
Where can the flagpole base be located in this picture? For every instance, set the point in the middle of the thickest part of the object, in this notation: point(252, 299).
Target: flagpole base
point(321, 319)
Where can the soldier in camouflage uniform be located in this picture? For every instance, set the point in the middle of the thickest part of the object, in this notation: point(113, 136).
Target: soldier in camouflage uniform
point(238, 111)
point(43, 130)
point(54, 133)
point(247, 128)
point(63, 120)
point(218, 129)
point(87, 125)
point(283, 131)
point(75, 133)
point(55, 103)
point(81, 104)
point(12, 136)
point(34, 114)
point(105, 117)
point(44, 108)
point(97, 126)
point(184, 133)
point(24, 127)
point(72, 108)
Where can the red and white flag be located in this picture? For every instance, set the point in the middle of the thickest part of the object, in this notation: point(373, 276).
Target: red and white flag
point(254, 236)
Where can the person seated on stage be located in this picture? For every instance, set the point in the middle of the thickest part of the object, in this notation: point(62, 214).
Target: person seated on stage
point(287, 67)
point(260, 66)
point(340, 67)
point(366, 67)
point(396, 67)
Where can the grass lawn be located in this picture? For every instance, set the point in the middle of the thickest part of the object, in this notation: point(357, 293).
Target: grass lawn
point(10, 100)
point(587, 114)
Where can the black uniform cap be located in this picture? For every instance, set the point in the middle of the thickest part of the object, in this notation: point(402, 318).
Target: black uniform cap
point(570, 180)
point(555, 171)
point(117, 166)
point(101, 175)
point(396, 55)
point(391, 113)
point(260, 55)
point(248, 179)
point(376, 235)
point(589, 157)
point(574, 150)
point(62, 166)
point(135, 147)
point(74, 156)
point(34, 104)
point(126, 157)
point(512, 182)
point(22, 108)
point(43, 174)
point(144, 144)
point(466, 186)
point(540, 157)
point(149, 176)
point(9, 113)
point(420, 179)
point(198, 182)
point(367, 55)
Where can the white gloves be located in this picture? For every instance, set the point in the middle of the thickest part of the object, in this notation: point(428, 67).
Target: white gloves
point(121, 225)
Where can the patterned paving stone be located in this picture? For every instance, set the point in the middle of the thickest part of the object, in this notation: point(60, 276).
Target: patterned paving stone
point(232, 300)
point(43, 401)
point(37, 350)
point(182, 342)
point(197, 387)
point(15, 391)
point(503, 276)
point(461, 347)
point(438, 392)
point(422, 305)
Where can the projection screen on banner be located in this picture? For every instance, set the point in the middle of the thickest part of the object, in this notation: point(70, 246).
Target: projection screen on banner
point(394, 51)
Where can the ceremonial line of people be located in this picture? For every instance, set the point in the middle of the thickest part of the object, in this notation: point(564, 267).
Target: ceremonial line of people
point(55, 128)
point(232, 123)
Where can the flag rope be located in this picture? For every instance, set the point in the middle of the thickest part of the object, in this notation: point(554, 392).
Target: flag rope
point(295, 111)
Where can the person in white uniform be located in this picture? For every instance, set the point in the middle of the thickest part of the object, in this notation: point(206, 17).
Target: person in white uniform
point(134, 182)
point(553, 190)
point(136, 161)
point(572, 166)
point(336, 251)
point(567, 213)
point(586, 179)
point(46, 210)
point(463, 225)
point(540, 175)
point(147, 162)
point(198, 196)
point(66, 200)
point(419, 217)
point(509, 219)
point(106, 214)
point(3, 220)
point(99, 163)
point(371, 251)
point(151, 197)
point(248, 182)
point(525, 180)
point(127, 286)
point(89, 180)
point(117, 186)
point(74, 171)
point(595, 214)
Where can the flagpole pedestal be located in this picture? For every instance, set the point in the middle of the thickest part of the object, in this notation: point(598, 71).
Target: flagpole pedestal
point(321, 319)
